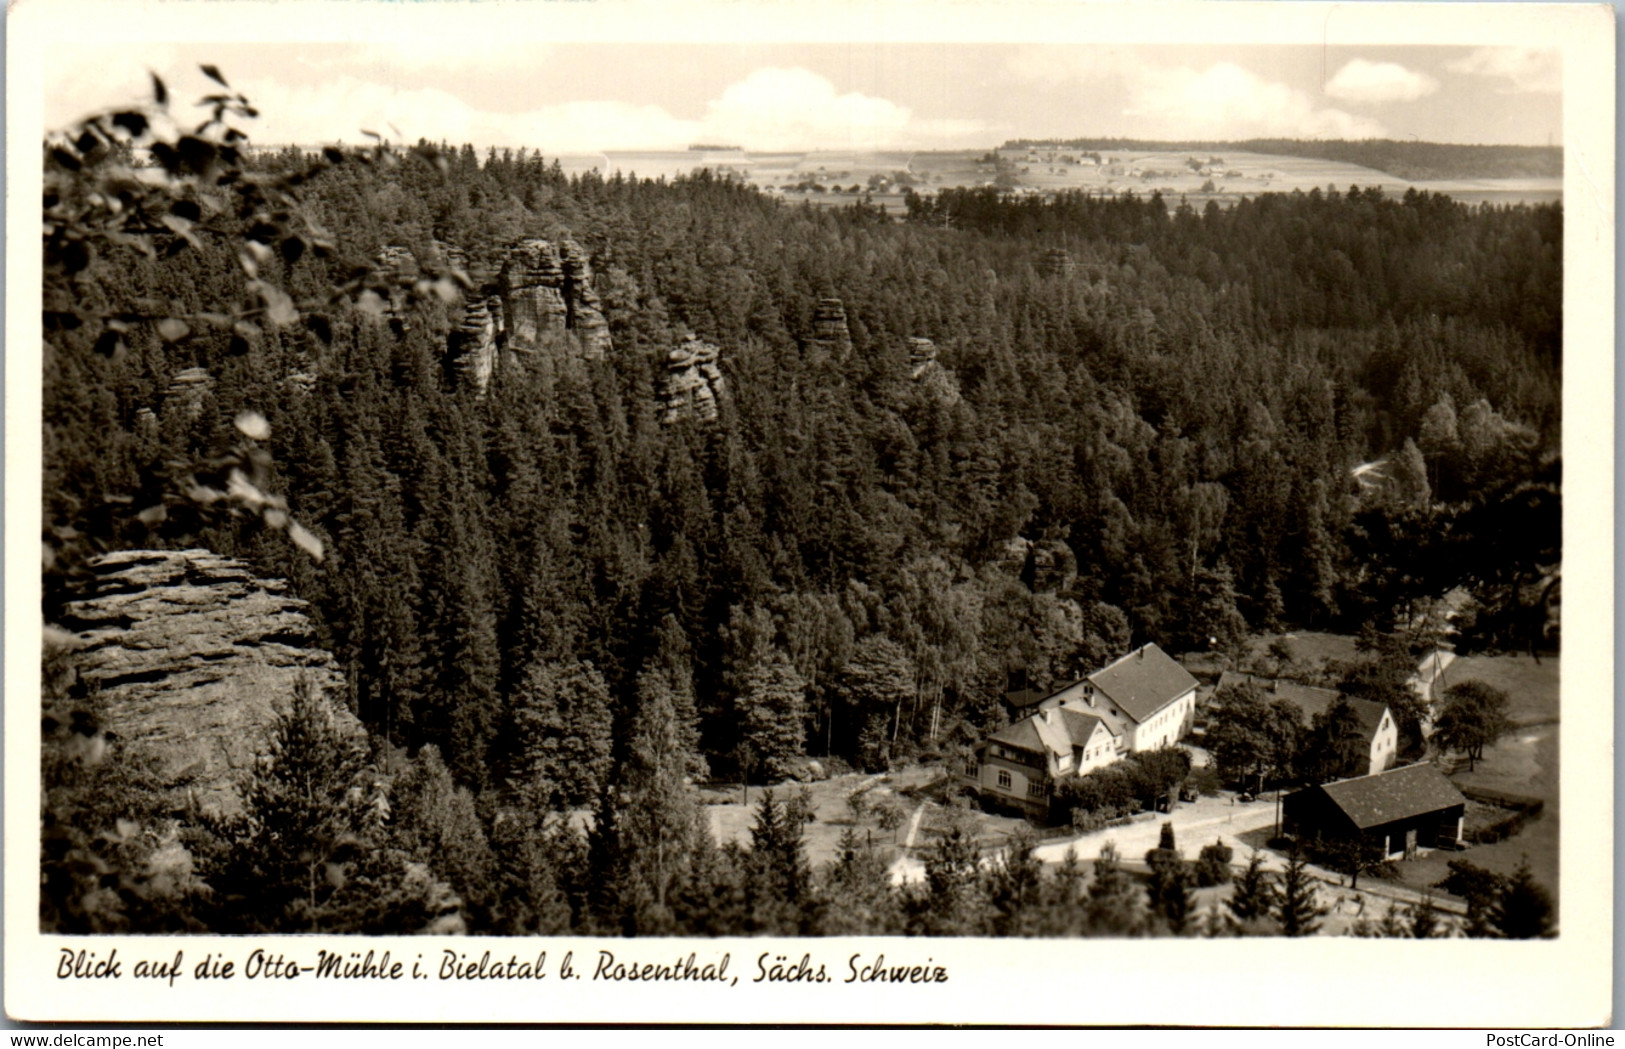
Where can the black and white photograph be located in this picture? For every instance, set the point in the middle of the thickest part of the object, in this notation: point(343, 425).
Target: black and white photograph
point(811, 511)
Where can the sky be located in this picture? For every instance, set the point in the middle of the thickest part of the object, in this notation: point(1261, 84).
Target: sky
point(588, 97)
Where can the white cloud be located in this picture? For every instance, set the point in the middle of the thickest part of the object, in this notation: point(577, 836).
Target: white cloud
point(1227, 101)
point(777, 108)
point(770, 109)
point(1365, 81)
point(1526, 69)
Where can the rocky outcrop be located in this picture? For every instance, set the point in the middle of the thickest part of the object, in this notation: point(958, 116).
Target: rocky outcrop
point(193, 655)
point(544, 287)
point(692, 384)
point(831, 339)
point(1056, 262)
point(1045, 565)
point(472, 346)
point(188, 388)
point(931, 376)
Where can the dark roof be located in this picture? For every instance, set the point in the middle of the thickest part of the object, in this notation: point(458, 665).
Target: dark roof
point(1143, 682)
point(1080, 725)
point(1311, 701)
point(1022, 735)
point(1414, 790)
point(1037, 734)
point(1024, 697)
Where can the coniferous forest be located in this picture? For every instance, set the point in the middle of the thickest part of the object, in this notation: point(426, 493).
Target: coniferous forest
point(558, 607)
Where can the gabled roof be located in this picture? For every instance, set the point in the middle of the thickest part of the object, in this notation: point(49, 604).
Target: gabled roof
point(1071, 728)
point(1311, 701)
point(1143, 682)
point(1371, 801)
point(1080, 725)
point(1022, 735)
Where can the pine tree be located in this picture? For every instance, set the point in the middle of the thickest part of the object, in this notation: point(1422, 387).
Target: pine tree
point(1297, 909)
point(1168, 890)
point(1426, 922)
point(649, 830)
point(1253, 897)
point(1114, 907)
point(1524, 910)
point(561, 725)
point(859, 887)
point(435, 821)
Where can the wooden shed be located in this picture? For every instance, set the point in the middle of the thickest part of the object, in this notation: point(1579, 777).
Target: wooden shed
point(1401, 810)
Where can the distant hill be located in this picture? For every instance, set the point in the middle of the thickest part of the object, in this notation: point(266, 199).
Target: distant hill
point(1412, 161)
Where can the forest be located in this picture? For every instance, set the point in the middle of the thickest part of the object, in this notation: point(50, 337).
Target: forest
point(555, 610)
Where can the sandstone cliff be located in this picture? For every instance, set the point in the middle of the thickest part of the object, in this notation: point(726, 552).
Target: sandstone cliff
point(931, 376)
point(830, 338)
point(692, 383)
point(537, 297)
point(193, 655)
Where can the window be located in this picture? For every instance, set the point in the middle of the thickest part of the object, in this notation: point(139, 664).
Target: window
point(1004, 779)
point(1035, 788)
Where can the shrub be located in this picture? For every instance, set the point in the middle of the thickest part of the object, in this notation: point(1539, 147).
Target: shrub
point(1213, 864)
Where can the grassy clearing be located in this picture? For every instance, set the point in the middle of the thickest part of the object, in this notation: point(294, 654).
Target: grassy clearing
point(731, 818)
point(1533, 687)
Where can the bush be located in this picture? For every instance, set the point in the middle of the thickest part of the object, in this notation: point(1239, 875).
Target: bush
point(1213, 865)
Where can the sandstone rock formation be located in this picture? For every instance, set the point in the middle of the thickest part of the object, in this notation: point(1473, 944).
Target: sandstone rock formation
point(539, 290)
point(931, 376)
point(193, 655)
point(692, 383)
point(187, 390)
point(1056, 262)
point(1045, 565)
point(830, 336)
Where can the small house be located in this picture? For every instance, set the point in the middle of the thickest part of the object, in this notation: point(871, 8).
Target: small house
point(1019, 765)
point(1377, 722)
point(1401, 810)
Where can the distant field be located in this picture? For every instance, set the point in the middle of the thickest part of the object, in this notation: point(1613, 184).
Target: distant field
point(1532, 687)
point(1240, 175)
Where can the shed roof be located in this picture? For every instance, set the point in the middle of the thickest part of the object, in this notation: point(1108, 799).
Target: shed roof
point(1143, 682)
point(1413, 790)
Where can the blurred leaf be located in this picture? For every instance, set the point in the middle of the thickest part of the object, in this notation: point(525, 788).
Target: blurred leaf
point(252, 424)
point(320, 327)
point(293, 248)
point(153, 515)
point(128, 828)
point(213, 73)
point(173, 330)
point(197, 154)
point(275, 518)
point(446, 288)
point(110, 344)
point(186, 209)
point(182, 227)
point(370, 303)
point(304, 540)
point(160, 93)
point(279, 308)
point(131, 121)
